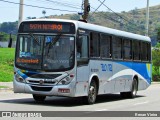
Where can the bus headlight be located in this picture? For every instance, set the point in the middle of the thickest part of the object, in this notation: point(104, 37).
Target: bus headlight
point(19, 78)
point(65, 80)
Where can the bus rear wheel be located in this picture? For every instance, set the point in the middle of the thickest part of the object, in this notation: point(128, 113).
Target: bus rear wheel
point(39, 98)
point(133, 92)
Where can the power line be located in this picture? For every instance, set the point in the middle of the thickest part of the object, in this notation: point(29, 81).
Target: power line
point(108, 17)
point(64, 4)
point(98, 7)
point(112, 10)
point(119, 15)
point(36, 6)
point(114, 20)
point(58, 3)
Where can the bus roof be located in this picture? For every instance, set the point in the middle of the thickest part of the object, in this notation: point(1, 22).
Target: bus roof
point(99, 28)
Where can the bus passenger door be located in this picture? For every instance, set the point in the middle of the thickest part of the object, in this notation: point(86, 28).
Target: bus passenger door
point(82, 65)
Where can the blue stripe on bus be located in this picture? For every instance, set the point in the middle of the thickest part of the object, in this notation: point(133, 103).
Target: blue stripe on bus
point(24, 76)
point(143, 69)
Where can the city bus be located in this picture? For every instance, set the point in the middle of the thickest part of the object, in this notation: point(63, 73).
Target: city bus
point(56, 57)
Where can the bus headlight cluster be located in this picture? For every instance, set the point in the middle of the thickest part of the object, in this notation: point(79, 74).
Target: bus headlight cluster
point(65, 80)
point(19, 78)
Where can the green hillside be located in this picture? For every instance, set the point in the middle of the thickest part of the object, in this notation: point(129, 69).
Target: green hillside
point(132, 21)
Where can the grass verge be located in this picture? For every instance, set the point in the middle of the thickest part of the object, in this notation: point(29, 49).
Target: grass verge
point(3, 87)
point(6, 64)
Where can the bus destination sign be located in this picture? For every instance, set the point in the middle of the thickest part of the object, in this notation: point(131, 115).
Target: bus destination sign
point(58, 27)
point(47, 27)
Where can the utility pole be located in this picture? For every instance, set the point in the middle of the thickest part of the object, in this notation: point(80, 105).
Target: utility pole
point(20, 12)
point(147, 18)
point(86, 9)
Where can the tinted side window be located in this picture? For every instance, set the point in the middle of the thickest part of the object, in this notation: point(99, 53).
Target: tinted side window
point(94, 45)
point(136, 50)
point(117, 48)
point(149, 51)
point(144, 53)
point(105, 46)
point(127, 49)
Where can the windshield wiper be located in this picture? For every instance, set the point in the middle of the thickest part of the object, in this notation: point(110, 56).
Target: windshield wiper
point(54, 41)
point(31, 34)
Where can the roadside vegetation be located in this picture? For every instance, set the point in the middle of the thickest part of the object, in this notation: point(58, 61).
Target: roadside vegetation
point(1, 87)
point(134, 16)
point(156, 63)
point(6, 64)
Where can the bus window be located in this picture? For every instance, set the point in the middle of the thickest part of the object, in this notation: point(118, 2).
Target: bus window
point(82, 47)
point(117, 48)
point(127, 49)
point(149, 51)
point(105, 48)
point(144, 51)
point(136, 50)
point(94, 45)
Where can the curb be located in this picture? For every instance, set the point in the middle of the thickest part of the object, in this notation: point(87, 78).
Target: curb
point(155, 82)
point(6, 89)
point(8, 86)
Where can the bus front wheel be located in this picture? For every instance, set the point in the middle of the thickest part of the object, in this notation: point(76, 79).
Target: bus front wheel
point(39, 98)
point(92, 93)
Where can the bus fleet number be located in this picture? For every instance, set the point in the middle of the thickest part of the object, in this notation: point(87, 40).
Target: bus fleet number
point(106, 67)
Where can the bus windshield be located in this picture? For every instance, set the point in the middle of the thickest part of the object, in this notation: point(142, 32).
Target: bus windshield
point(45, 52)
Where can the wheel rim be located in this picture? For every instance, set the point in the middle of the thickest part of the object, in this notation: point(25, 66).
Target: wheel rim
point(135, 88)
point(92, 94)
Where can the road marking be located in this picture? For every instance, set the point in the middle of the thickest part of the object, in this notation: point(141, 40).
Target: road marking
point(102, 110)
point(141, 103)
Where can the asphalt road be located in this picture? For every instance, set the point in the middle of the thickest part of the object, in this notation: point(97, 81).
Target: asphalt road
point(147, 100)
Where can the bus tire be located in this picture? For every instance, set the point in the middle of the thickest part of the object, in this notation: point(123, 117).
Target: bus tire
point(133, 92)
point(134, 89)
point(123, 94)
point(39, 98)
point(92, 93)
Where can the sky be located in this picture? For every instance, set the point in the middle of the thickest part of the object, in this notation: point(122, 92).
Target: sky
point(9, 12)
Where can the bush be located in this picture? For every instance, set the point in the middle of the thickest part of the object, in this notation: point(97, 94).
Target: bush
point(155, 78)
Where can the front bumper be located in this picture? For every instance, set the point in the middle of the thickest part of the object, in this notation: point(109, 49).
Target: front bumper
point(52, 90)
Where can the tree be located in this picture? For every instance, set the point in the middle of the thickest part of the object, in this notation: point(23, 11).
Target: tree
point(9, 27)
point(156, 62)
point(158, 34)
point(156, 58)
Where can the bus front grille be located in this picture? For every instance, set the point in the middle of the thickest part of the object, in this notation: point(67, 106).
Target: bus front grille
point(44, 82)
point(43, 76)
point(45, 89)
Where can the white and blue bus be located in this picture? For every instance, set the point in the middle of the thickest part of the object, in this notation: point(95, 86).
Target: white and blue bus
point(75, 59)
